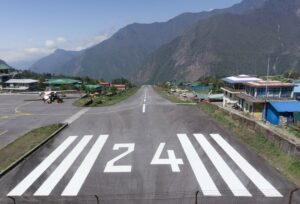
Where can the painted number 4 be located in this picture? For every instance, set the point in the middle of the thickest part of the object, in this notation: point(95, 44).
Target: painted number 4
point(172, 160)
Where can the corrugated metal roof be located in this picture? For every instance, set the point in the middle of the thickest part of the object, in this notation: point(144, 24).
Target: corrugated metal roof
point(216, 96)
point(21, 81)
point(4, 67)
point(268, 83)
point(286, 106)
point(93, 86)
point(62, 81)
point(240, 79)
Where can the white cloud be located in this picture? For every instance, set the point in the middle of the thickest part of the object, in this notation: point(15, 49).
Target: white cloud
point(49, 46)
point(49, 43)
point(59, 41)
point(91, 42)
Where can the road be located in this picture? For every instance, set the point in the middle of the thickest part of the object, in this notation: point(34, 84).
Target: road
point(18, 116)
point(144, 150)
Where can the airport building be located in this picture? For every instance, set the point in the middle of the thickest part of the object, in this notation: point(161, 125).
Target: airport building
point(252, 101)
point(233, 86)
point(21, 85)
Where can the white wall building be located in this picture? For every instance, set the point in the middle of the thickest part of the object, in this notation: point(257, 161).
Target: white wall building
point(233, 86)
point(21, 84)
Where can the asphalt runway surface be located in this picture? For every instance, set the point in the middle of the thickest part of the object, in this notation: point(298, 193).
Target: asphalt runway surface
point(18, 116)
point(144, 150)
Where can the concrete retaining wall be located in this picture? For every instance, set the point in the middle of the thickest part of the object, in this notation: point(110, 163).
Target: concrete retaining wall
point(284, 143)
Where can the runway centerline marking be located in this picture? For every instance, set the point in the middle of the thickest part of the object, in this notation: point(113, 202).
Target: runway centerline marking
point(232, 181)
point(39, 170)
point(82, 172)
point(205, 181)
point(46, 188)
point(259, 181)
point(144, 108)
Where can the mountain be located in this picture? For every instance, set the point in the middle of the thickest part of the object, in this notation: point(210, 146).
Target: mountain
point(54, 62)
point(4, 65)
point(229, 44)
point(123, 54)
point(23, 64)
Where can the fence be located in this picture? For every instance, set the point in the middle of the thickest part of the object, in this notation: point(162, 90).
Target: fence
point(289, 197)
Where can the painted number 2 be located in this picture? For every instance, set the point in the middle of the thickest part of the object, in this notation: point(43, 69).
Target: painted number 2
point(111, 167)
point(172, 160)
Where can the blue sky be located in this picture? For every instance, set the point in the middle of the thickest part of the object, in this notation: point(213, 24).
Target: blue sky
point(34, 28)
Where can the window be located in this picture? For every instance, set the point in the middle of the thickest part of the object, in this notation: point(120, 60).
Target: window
point(261, 92)
point(286, 92)
point(274, 92)
point(252, 91)
point(247, 90)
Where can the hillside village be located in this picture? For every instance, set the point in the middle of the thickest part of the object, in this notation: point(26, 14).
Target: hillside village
point(273, 101)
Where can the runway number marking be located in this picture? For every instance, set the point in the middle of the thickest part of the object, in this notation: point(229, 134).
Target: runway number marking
point(172, 160)
point(111, 167)
point(204, 176)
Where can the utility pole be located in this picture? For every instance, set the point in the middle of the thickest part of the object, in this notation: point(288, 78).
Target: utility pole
point(266, 95)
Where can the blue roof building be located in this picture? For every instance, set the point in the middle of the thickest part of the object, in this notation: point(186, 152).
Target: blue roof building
point(282, 112)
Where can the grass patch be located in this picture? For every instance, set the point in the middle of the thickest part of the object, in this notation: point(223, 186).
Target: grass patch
point(165, 94)
point(254, 140)
point(22, 145)
point(293, 130)
point(82, 101)
point(106, 100)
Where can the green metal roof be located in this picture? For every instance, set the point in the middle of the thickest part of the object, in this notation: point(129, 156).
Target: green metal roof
point(62, 82)
point(93, 87)
point(202, 96)
point(4, 66)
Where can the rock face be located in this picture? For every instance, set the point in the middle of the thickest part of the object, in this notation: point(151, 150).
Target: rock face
point(125, 52)
point(228, 44)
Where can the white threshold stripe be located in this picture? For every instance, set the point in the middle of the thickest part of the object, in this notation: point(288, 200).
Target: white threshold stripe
point(144, 108)
point(46, 188)
point(76, 116)
point(206, 183)
point(259, 181)
point(81, 174)
point(232, 181)
point(39, 170)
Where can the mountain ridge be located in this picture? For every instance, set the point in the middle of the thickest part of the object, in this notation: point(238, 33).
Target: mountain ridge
point(231, 44)
point(124, 53)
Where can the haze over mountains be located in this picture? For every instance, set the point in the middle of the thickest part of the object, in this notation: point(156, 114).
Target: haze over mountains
point(238, 39)
point(53, 62)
